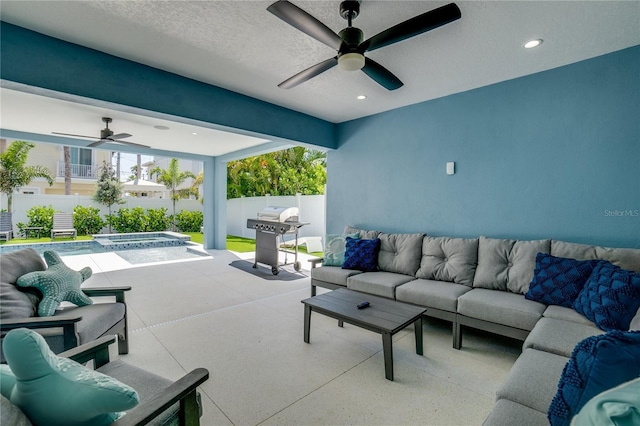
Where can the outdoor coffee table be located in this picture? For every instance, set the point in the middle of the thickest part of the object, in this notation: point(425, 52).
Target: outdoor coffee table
point(383, 316)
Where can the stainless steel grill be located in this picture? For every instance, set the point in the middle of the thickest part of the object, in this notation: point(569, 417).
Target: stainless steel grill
point(271, 226)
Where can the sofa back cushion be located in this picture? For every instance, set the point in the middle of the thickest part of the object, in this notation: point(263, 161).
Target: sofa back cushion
point(363, 233)
point(625, 258)
point(507, 264)
point(16, 302)
point(400, 253)
point(449, 259)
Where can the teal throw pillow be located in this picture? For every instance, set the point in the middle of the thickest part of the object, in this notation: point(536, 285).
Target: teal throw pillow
point(57, 284)
point(335, 247)
point(55, 391)
point(619, 406)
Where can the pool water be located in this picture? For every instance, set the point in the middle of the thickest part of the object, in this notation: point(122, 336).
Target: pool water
point(134, 248)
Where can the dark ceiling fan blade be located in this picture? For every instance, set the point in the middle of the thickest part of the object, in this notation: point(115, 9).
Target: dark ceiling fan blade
point(120, 136)
point(412, 27)
point(131, 144)
point(97, 143)
point(381, 75)
point(298, 18)
point(70, 134)
point(309, 73)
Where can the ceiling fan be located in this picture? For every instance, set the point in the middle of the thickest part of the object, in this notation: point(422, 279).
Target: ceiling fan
point(106, 135)
point(349, 42)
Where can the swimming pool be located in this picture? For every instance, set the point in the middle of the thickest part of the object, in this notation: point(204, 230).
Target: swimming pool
point(135, 248)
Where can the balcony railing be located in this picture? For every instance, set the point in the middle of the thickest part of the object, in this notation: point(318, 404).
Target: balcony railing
point(81, 171)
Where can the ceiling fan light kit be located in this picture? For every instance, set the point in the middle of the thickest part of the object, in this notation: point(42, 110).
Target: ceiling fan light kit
point(351, 61)
point(349, 42)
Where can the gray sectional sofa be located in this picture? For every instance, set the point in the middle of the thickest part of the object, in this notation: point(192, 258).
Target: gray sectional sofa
point(480, 283)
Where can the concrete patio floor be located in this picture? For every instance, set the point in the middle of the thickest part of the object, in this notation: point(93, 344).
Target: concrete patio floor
point(248, 332)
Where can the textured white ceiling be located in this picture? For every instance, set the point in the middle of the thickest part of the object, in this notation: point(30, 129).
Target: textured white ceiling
point(240, 46)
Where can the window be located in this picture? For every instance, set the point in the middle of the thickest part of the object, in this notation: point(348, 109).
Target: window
point(81, 161)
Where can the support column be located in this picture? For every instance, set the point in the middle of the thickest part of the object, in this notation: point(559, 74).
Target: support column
point(208, 205)
point(220, 204)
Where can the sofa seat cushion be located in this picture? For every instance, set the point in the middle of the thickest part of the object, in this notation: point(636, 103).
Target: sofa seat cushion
point(505, 413)
point(500, 307)
point(566, 314)
point(96, 320)
point(507, 264)
point(557, 336)
point(626, 258)
point(533, 379)
point(400, 253)
point(449, 259)
point(333, 274)
point(378, 283)
point(16, 302)
point(432, 294)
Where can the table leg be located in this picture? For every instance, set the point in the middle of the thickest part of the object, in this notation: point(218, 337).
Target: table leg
point(307, 322)
point(417, 326)
point(387, 349)
point(340, 323)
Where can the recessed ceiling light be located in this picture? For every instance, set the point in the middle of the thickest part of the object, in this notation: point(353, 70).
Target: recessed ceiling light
point(161, 127)
point(361, 97)
point(533, 43)
point(194, 133)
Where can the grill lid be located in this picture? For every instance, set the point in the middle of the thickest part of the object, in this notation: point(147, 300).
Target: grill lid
point(279, 214)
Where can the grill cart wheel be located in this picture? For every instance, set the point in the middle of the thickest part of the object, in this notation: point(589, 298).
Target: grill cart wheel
point(274, 270)
point(297, 266)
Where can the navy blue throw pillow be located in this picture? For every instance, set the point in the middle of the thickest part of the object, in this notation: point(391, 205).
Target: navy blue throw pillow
point(559, 280)
point(597, 363)
point(361, 254)
point(610, 297)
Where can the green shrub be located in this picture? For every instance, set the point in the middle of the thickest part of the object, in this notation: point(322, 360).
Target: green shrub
point(158, 220)
point(41, 216)
point(128, 220)
point(87, 220)
point(188, 221)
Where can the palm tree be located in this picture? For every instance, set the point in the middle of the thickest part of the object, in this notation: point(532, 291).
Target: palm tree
point(172, 178)
point(14, 172)
point(67, 170)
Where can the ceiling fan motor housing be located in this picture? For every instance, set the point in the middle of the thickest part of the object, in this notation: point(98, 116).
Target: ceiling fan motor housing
point(351, 39)
point(349, 10)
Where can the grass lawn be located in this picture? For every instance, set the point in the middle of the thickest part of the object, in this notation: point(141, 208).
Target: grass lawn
point(240, 244)
point(234, 243)
point(45, 240)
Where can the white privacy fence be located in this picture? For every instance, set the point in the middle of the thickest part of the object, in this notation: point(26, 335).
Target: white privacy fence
point(311, 207)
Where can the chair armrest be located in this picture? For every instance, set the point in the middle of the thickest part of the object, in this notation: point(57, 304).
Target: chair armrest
point(118, 292)
point(40, 322)
point(315, 262)
point(96, 351)
point(183, 390)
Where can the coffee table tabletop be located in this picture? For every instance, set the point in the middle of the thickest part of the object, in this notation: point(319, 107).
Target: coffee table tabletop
point(383, 316)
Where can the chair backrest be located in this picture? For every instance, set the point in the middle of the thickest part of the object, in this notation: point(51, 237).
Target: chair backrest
point(63, 221)
point(5, 222)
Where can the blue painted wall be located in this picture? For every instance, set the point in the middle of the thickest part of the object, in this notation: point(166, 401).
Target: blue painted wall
point(551, 155)
point(38, 60)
